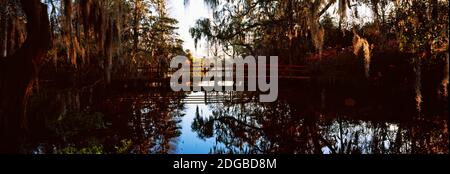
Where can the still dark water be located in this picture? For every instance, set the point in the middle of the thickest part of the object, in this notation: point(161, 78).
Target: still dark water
point(305, 120)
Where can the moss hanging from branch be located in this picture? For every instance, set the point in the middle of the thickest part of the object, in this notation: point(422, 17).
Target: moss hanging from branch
point(361, 44)
point(317, 34)
point(67, 32)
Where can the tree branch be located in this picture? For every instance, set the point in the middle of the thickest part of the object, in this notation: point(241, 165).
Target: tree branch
point(326, 8)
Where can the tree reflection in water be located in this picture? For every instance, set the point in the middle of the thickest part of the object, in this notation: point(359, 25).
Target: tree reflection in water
point(153, 121)
point(290, 127)
point(302, 121)
point(133, 122)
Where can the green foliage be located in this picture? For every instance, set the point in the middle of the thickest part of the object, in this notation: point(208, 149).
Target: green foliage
point(70, 124)
point(93, 147)
point(124, 147)
point(422, 26)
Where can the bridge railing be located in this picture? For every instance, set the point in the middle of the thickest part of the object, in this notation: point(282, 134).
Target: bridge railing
point(154, 72)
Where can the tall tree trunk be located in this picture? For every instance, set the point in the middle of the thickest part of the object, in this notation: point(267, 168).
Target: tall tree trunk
point(17, 74)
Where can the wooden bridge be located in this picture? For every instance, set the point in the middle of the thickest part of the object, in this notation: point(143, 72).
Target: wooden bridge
point(152, 74)
point(153, 79)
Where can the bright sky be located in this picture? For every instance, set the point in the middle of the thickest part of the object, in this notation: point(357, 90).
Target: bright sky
point(187, 16)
